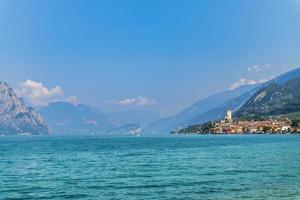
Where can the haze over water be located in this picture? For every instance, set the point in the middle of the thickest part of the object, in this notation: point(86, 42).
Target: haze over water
point(172, 167)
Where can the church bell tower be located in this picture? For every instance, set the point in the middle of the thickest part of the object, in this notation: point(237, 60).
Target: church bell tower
point(228, 116)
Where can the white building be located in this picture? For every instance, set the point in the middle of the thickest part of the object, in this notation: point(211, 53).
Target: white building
point(228, 116)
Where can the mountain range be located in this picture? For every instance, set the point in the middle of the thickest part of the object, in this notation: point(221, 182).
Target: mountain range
point(67, 118)
point(207, 109)
point(277, 97)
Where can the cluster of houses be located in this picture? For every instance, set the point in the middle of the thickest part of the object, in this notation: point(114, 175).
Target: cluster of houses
point(228, 125)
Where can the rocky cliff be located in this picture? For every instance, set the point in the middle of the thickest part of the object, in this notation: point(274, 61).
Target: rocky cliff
point(15, 117)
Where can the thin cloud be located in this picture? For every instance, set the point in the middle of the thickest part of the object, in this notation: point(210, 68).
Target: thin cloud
point(258, 68)
point(288, 68)
point(72, 99)
point(139, 101)
point(244, 81)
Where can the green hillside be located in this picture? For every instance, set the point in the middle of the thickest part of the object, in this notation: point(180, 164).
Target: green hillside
point(275, 99)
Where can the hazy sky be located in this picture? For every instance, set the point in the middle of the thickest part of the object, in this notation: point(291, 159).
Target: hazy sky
point(158, 54)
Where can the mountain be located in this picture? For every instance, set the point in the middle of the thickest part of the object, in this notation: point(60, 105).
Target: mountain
point(280, 96)
point(15, 117)
point(66, 118)
point(211, 108)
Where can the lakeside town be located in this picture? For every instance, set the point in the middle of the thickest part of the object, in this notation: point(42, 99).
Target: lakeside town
point(230, 126)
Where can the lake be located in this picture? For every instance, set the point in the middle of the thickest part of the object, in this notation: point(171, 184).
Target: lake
point(160, 167)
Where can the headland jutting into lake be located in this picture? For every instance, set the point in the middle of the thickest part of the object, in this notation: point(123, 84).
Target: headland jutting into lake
point(278, 125)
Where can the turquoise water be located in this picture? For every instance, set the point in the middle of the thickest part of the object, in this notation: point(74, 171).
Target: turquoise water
point(175, 167)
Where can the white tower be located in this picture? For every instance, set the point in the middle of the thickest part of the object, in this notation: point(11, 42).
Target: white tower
point(228, 116)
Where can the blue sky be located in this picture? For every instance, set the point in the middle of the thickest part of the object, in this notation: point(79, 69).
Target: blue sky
point(161, 55)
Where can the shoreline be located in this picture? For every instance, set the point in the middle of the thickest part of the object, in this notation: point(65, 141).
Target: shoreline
point(234, 133)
